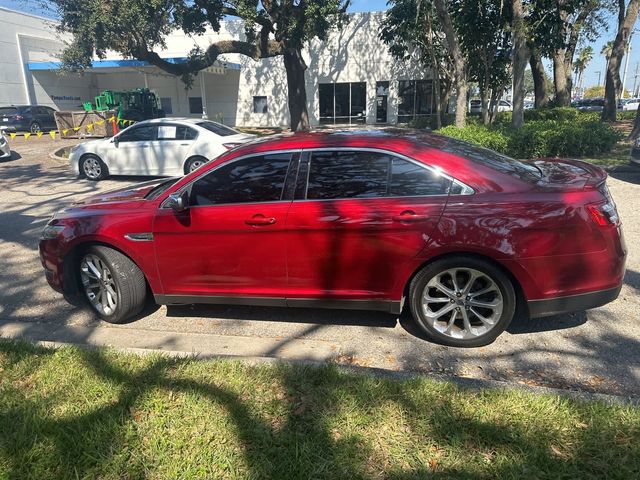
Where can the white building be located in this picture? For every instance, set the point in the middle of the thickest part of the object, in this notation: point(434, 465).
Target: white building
point(351, 78)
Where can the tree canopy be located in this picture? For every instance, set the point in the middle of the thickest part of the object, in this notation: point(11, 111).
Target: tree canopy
point(139, 29)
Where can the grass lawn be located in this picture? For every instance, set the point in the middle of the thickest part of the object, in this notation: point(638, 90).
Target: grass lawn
point(620, 155)
point(72, 413)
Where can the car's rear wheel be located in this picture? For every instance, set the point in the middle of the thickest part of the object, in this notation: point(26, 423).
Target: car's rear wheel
point(462, 301)
point(35, 127)
point(113, 285)
point(193, 163)
point(93, 168)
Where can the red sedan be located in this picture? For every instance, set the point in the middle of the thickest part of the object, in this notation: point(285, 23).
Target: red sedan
point(351, 219)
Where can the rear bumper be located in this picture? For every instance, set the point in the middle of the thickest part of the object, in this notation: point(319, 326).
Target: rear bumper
point(572, 303)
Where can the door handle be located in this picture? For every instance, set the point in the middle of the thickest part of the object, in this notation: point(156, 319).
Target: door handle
point(409, 216)
point(260, 220)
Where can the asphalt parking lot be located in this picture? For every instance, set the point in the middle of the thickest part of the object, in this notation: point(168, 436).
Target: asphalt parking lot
point(597, 350)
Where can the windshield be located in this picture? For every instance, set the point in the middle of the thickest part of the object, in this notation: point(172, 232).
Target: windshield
point(516, 168)
point(218, 128)
point(157, 191)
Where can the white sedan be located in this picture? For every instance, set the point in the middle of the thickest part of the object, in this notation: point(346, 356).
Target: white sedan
point(158, 147)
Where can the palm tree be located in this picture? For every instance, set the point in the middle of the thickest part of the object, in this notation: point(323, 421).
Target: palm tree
point(585, 55)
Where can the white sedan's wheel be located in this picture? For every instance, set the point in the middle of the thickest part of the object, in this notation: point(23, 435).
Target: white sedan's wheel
point(93, 168)
point(193, 164)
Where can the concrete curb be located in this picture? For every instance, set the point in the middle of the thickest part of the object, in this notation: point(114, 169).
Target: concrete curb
point(53, 155)
point(468, 383)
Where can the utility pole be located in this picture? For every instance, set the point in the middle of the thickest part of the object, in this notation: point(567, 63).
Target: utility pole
point(635, 82)
point(599, 72)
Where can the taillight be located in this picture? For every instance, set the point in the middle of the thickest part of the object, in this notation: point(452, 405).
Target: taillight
point(597, 214)
point(230, 146)
point(604, 213)
point(18, 117)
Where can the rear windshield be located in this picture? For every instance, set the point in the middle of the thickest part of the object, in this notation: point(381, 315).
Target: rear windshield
point(6, 111)
point(218, 128)
point(516, 168)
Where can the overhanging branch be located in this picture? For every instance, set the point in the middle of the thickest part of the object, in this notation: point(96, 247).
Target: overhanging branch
point(196, 64)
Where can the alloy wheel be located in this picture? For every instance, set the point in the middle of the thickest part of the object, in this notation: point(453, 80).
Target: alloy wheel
point(92, 168)
point(462, 303)
point(35, 128)
point(99, 285)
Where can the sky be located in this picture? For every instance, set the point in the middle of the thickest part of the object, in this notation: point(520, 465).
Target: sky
point(598, 64)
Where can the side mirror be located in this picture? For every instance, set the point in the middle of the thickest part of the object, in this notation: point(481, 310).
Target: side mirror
point(178, 202)
point(115, 141)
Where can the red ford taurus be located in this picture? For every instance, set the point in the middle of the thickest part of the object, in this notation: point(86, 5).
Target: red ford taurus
point(351, 219)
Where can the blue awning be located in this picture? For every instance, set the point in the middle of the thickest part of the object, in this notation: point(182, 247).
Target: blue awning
point(97, 64)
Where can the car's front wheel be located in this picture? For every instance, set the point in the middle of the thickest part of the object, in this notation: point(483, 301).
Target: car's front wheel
point(462, 301)
point(113, 285)
point(93, 168)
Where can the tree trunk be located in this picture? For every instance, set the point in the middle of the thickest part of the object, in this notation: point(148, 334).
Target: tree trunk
point(539, 80)
point(484, 98)
point(520, 56)
point(561, 80)
point(459, 62)
point(295, 66)
point(436, 97)
point(436, 76)
point(612, 84)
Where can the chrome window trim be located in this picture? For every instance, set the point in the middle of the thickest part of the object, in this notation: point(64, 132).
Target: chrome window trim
point(233, 160)
point(466, 189)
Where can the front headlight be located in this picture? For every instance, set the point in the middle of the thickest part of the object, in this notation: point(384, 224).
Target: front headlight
point(51, 231)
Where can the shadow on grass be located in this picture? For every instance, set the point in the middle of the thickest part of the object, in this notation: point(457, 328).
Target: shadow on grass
point(321, 424)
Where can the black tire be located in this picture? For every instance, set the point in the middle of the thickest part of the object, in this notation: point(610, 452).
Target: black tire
point(466, 264)
point(92, 168)
point(35, 127)
point(130, 284)
point(193, 163)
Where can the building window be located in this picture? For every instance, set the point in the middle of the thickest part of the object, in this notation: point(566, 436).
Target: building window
point(343, 102)
point(415, 99)
point(259, 104)
point(165, 104)
point(195, 104)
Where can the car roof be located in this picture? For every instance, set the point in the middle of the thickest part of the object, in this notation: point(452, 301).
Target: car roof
point(190, 120)
point(441, 152)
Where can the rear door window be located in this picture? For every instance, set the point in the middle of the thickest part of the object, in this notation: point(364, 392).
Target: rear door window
point(176, 132)
point(348, 174)
point(366, 174)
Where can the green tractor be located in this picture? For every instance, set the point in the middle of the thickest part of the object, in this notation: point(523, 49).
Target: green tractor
point(138, 104)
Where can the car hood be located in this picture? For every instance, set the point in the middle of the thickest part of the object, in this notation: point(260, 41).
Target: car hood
point(126, 194)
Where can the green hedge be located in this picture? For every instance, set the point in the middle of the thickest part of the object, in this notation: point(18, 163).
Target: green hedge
point(556, 132)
